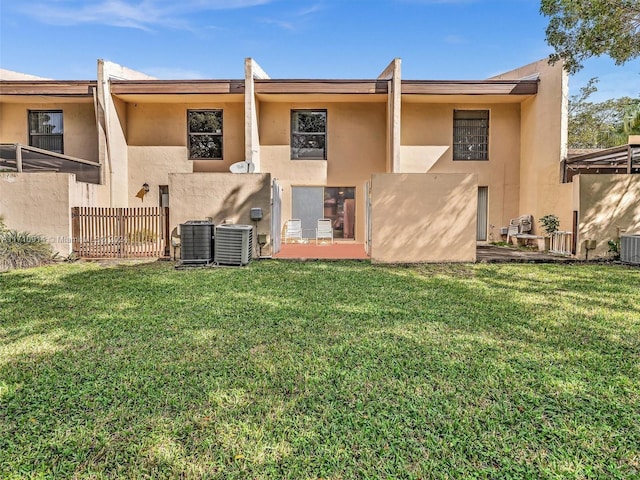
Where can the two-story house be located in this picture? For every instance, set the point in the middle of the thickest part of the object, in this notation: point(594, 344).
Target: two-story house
point(415, 170)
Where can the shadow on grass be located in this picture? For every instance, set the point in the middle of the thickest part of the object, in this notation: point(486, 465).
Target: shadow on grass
point(319, 369)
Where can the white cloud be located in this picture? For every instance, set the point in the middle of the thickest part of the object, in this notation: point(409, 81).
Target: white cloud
point(295, 19)
point(143, 14)
point(280, 23)
point(310, 10)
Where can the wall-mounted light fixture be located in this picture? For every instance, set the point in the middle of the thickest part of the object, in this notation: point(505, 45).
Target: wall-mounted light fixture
point(143, 191)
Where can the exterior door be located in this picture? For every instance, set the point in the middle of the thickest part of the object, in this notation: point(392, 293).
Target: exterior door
point(276, 209)
point(483, 214)
point(367, 217)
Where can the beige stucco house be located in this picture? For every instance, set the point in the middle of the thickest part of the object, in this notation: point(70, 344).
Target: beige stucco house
point(417, 170)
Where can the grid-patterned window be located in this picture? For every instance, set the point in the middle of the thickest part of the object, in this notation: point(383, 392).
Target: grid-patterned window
point(204, 134)
point(471, 134)
point(309, 134)
point(45, 130)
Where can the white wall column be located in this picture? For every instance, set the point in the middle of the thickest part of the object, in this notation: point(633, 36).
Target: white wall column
point(111, 116)
point(251, 134)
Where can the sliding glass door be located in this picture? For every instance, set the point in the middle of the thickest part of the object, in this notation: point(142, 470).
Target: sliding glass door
point(306, 204)
point(338, 204)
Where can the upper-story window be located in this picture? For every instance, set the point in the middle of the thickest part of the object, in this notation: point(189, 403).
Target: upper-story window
point(471, 134)
point(309, 134)
point(204, 134)
point(45, 130)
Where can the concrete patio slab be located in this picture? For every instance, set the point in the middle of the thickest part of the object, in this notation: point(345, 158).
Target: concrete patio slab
point(323, 251)
point(495, 254)
point(355, 251)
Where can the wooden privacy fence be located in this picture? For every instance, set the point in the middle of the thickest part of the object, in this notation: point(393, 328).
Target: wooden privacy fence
point(119, 232)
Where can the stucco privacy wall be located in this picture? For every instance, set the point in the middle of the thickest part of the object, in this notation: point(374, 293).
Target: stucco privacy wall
point(423, 218)
point(152, 165)
point(79, 126)
point(41, 203)
point(607, 205)
point(428, 128)
point(356, 147)
point(221, 196)
point(543, 144)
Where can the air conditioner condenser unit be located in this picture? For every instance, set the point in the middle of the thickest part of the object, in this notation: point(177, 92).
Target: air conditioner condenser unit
point(233, 245)
point(630, 249)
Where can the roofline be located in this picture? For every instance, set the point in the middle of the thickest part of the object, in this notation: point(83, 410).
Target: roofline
point(175, 81)
point(182, 87)
point(470, 87)
point(272, 86)
point(320, 86)
point(72, 88)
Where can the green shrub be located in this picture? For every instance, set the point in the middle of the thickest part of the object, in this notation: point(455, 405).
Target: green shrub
point(23, 250)
point(614, 249)
point(550, 223)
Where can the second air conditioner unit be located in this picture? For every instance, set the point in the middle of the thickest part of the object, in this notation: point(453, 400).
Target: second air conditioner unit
point(233, 245)
point(630, 249)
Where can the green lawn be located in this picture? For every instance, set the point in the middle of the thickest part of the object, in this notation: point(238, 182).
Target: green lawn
point(320, 370)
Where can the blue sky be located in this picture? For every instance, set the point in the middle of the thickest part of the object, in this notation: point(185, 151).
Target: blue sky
point(436, 39)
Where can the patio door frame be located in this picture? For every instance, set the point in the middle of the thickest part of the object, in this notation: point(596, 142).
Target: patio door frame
point(310, 203)
point(482, 221)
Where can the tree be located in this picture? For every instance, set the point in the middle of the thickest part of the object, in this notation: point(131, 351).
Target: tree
point(601, 124)
point(632, 121)
point(579, 29)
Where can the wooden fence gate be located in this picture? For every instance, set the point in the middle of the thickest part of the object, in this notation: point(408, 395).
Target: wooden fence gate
point(120, 232)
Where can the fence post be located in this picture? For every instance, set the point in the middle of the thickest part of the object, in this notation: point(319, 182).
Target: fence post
point(19, 158)
point(75, 230)
point(121, 232)
point(165, 245)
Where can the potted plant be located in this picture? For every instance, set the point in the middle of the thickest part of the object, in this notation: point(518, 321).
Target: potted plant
point(550, 224)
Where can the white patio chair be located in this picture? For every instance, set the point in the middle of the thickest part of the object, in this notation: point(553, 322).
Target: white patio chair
point(293, 231)
point(324, 230)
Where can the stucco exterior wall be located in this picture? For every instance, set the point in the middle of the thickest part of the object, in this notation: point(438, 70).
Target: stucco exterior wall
point(221, 196)
point(543, 144)
point(80, 136)
point(166, 125)
point(113, 131)
point(423, 218)
point(427, 136)
point(117, 174)
point(41, 203)
point(608, 205)
point(356, 148)
point(152, 165)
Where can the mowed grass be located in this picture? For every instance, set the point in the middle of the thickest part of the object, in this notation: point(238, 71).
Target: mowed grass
point(320, 370)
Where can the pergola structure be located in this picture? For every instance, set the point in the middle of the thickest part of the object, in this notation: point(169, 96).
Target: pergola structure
point(618, 160)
